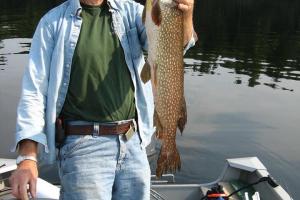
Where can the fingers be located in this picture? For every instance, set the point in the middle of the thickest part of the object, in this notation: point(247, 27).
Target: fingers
point(23, 192)
point(185, 5)
point(187, 2)
point(32, 188)
point(14, 188)
point(19, 190)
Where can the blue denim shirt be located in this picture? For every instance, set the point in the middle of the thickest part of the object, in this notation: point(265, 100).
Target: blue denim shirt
point(47, 76)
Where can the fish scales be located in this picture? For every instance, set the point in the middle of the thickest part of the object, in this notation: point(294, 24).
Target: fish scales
point(165, 58)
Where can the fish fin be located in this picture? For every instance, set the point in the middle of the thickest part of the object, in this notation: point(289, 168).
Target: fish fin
point(146, 72)
point(156, 12)
point(168, 160)
point(153, 80)
point(144, 14)
point(157, 124)
point(183, 117)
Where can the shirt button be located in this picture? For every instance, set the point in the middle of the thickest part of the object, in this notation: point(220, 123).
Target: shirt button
point(72, 44)
point(68, 65)
point(65, 84)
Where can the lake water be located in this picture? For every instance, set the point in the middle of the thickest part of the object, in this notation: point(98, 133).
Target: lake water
point(242, 84)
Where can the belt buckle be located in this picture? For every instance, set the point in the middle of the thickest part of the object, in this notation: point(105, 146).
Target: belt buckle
point(96, 131)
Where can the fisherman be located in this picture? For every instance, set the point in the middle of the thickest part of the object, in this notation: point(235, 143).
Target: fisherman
point(84, 65)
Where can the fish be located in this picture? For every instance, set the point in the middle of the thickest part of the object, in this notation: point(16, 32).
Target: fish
point(165, 68)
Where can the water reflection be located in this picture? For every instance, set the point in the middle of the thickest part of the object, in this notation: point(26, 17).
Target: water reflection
point(13, 46)
point(19, 18)
point(238, 67)
point(2, 61)
point(249, 37)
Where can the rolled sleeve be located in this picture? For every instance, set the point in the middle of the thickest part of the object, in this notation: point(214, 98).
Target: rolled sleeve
point(40, 138)
point(31, 109)
point(141, 27)
point(191, 43)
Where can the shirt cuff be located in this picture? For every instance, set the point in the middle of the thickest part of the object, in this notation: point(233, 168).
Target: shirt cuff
point(192, 42)
point(40, 138)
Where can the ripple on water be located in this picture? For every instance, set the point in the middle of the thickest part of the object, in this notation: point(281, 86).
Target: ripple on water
point(12, 46)
point(3, 61)
point(15, 46)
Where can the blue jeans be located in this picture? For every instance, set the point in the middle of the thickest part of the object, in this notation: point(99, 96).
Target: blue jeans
point(104, 167)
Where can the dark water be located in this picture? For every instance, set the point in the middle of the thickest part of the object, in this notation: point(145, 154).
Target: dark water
point(241, 83)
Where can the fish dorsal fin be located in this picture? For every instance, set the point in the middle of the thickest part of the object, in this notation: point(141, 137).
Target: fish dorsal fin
point(156, 12)
point(146, 72)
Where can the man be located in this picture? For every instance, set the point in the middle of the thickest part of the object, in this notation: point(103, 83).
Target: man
point(107, 111)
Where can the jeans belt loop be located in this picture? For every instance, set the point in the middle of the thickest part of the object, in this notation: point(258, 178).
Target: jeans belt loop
point(134, 125)
point(117, 128)
point(96, 131)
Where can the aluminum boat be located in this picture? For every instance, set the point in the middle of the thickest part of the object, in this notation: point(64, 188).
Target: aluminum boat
point(241, 179)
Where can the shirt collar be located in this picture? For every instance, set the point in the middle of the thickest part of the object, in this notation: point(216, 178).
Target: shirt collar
point(76, 7)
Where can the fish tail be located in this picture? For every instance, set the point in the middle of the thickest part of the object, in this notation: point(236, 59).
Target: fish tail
point(168, 161)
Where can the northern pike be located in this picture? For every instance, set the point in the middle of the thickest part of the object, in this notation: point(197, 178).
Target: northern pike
point(164, 65)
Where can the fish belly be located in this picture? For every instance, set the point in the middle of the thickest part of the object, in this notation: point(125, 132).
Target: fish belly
point(169, 69)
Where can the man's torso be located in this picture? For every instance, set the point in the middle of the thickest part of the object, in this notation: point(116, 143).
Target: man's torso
point(100, 87)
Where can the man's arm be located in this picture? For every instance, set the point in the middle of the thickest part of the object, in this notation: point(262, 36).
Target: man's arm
point(28, 147)
point(31, 110)
point(187, 7)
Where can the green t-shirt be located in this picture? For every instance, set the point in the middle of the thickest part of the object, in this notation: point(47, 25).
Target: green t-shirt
point(100, 86)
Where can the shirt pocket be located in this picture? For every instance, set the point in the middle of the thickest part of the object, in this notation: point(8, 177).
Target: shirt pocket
point(134, 43)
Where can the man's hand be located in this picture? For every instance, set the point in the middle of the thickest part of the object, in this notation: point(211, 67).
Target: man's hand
point(187, 7)
point(25, 174)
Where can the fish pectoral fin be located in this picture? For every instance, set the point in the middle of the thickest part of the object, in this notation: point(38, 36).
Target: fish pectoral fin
point(156, 12)
point(146, 72)
point(158, 125)
point(183, 117)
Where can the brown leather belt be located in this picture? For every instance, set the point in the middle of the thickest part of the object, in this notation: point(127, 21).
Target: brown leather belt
point(98, 129)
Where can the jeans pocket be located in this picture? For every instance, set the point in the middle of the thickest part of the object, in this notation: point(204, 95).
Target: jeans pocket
point(71, 144)
point(136, 140)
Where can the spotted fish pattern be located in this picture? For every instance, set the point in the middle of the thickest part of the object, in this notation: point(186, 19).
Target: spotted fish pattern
point(164, 27)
